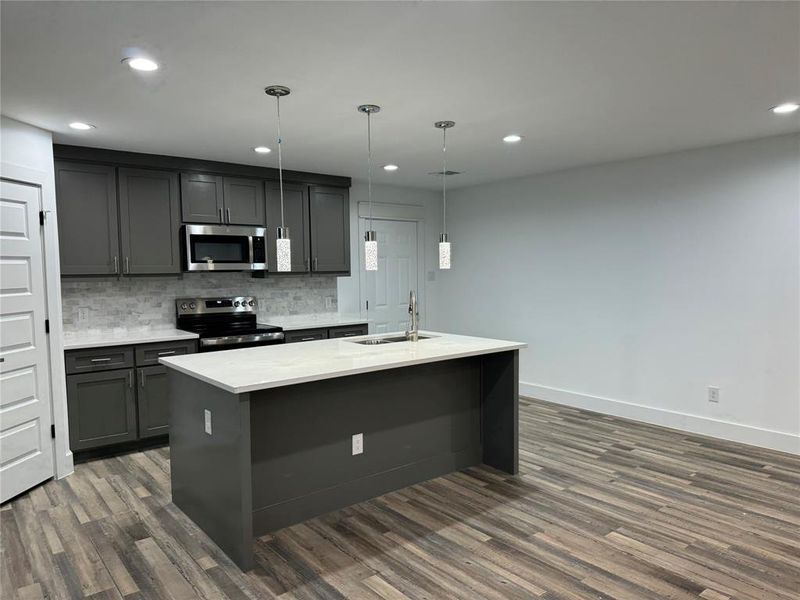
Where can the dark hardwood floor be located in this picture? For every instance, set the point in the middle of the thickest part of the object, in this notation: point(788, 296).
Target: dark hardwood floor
point(602, 508)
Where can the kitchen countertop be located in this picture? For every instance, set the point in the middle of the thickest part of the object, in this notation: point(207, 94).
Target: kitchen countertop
point(251, 369)
point(122, 337)
point(294, 322)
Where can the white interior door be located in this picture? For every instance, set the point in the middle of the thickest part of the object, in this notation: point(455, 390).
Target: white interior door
point(387, 289)
point(26, 447)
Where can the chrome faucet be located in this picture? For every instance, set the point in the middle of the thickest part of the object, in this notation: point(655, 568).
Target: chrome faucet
point(412, 335)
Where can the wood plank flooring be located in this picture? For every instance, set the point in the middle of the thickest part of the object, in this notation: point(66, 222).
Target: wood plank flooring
point(602, 508)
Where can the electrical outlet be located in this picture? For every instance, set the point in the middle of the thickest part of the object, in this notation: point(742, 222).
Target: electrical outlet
point(328, 301)
point(358, 444)
point(83, 314)
point(713, 394)
point(207, 414)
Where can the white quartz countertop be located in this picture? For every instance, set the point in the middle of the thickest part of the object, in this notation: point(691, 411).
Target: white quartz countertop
point(293, 322)
point(122, 337)
point(264, 367)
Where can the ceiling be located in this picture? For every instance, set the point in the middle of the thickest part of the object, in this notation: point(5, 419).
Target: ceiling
point(582, 82)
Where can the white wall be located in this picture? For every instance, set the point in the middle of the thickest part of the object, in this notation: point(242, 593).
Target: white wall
point(638, 284)
point(28, 150)
point(430, 202)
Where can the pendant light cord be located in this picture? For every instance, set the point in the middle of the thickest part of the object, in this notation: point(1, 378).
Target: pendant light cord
point(369, 166)
point(280, 159)
point(444, 180)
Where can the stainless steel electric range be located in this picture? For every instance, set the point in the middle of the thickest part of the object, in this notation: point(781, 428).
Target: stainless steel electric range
point(225, 323)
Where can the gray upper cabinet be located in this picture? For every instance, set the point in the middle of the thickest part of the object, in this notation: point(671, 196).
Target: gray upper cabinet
point(86, 198)
point(201, 198)
point(330, 229)
point(150, 221)
point(244, 201)
point(222, 200)
point(295, 202)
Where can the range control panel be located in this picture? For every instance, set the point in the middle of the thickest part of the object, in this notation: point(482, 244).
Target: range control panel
point(199, 306)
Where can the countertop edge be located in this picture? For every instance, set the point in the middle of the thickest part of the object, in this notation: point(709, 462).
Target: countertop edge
point(245, 389)
point(153, 338)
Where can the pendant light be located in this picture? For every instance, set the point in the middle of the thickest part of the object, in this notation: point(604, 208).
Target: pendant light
point(444, 242)
point(283, 245)
point(370, 238)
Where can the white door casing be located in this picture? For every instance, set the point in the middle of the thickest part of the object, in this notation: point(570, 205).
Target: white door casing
point(386, 290)
point(26, 446)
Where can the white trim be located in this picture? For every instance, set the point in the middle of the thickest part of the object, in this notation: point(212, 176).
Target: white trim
point(52, 274)
point(726, 430)
point(392, 212)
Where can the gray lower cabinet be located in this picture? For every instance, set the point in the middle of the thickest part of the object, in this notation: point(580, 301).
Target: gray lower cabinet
point(330, 229)
point(349, 331)
point(153, 401)
point(201, 198)
point(102, 408)
point(119, 393)
point(324, 333)
point(305, 335)
point(296, 218)
point(150, 222)
point(86, 197)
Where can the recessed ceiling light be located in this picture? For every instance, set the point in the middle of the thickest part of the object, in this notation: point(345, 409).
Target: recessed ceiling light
point(512, 139)
point(80, 126)
point(262, 150)
point(785, 108)
point(390, 167)
point(141, 64)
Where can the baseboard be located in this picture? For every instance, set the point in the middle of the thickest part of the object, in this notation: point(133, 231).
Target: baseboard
point(745, 434)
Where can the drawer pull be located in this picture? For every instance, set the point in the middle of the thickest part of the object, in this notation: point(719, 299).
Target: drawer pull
point(166, 352)
point(98, 360)
point(308, 339)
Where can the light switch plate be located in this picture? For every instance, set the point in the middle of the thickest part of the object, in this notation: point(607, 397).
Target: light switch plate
point(207, 414)
point(358, 443)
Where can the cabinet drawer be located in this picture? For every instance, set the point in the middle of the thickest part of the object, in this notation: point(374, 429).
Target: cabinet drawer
point(148, 354)
point(350, 331)
point(305, 335)
point(98, 359)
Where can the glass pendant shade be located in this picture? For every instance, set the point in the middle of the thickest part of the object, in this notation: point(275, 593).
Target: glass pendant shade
point(444, 252)
point(283, 250)
point(370, 251)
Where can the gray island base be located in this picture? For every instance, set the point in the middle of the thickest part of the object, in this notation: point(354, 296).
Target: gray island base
point(281, 455)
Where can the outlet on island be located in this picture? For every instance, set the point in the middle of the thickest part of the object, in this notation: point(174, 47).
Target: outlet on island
point(358, 443)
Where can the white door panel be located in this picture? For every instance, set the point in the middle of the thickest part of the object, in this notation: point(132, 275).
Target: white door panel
point(26, 447)
point(387, 288)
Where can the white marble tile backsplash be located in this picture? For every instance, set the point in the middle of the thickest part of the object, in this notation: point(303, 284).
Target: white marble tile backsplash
point(149, 302)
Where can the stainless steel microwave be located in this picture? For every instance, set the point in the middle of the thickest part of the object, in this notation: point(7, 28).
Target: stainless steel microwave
point(225, 248)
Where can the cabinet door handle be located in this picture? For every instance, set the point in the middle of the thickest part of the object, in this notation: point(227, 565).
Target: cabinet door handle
point(305, 264)
point(116, 265)
point(141, 378)
point(166, 352)
point(99, 360)
point(228, 215)
point(315, 263)
point(127, 265)
point(221, 220)
point(130, 379)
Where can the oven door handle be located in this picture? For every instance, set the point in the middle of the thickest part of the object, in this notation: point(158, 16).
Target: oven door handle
point(230, 340)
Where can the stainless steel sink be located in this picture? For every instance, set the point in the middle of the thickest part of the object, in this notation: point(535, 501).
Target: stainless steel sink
point(388, 340)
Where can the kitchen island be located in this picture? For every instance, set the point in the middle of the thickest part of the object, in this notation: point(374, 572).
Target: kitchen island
point(262, 438)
